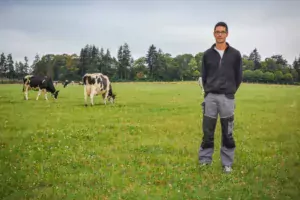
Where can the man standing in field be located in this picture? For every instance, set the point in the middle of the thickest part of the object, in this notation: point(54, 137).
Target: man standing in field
point(221, 78)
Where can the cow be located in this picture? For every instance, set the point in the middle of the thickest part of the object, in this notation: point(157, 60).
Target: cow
point(66, 83)
point(95, 84)
point(201, 84)
point(40, 83)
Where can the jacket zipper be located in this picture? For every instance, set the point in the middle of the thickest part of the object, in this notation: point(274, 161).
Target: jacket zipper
point(220, 57)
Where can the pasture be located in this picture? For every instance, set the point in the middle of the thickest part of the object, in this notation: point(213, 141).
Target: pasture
point(145, 146)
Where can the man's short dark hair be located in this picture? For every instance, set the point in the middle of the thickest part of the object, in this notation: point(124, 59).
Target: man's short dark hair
point(222, 24)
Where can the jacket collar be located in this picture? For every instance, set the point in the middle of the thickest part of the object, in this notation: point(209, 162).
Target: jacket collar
point(228, 46)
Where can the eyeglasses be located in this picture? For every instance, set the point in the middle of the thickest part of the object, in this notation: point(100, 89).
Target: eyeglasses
point(220, 32)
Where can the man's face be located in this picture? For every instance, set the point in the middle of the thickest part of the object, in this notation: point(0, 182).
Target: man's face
point(220, 34)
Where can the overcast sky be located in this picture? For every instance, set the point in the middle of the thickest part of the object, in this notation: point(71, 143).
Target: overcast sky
point(28, 27)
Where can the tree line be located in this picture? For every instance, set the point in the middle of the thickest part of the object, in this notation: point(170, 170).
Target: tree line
point(155, 65)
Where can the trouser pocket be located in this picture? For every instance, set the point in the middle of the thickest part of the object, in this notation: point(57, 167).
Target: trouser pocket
point(203, 107)
point(226, 107)
point(227, 125)
point(209, 126)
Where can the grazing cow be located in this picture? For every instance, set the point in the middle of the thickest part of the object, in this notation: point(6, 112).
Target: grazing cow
point(66, 83)
point(40, 83)
point(95, 84)
point(201, 84)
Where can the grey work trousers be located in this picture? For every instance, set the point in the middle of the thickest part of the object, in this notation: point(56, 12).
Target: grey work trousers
point(214, 105)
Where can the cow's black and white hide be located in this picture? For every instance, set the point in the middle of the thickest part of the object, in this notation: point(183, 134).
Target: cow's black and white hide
point(39, 83)
point(96, 84)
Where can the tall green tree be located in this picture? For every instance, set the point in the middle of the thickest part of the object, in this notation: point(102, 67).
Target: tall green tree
point(151, 59)
point(3, 65)
point(120, 63)
point(126, 60)
point(35, 64)
point(256, 58)
point(10, 65)
point(279, 60)
point(296, 66)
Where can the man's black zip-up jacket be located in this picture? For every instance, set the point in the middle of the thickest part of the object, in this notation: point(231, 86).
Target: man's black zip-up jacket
point(222, 76)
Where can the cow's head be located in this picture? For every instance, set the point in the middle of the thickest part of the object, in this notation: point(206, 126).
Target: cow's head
point(55, 94)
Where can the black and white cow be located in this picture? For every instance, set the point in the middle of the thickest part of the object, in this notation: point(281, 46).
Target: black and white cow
point(67, 83)
point(201, 84)
point(40, 83)
point(95, 84)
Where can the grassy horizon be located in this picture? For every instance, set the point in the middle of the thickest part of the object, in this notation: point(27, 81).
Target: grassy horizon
point(145, 146)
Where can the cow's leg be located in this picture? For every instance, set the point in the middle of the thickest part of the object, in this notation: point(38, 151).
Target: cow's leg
point(92, 95)
point(39, 93)
point(26, 92)
point(45, 94)
point(104, 97)
point(85, 95)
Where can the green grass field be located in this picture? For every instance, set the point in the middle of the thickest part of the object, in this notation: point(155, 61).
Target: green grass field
point(145, 146)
